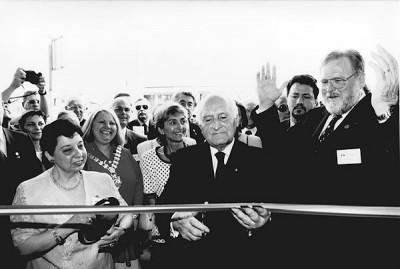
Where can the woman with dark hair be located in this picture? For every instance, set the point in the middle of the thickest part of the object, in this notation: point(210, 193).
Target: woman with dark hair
point(172, 123)
point(104, 143)
point(65, 184)
point(249, 139)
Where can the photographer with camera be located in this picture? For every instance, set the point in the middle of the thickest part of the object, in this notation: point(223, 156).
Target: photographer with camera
point(32, 100)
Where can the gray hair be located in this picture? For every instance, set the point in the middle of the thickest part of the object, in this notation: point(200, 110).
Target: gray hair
point(355, 58)
point(231, 105)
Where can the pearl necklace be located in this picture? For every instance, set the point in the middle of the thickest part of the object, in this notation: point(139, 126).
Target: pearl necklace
point(61, 186)
point(114, 164)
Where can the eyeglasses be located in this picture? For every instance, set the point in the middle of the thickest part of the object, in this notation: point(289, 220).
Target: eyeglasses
point(33, 102)
point(122, 109)
point(337, 83)
point(139, 107)
point(75, 108)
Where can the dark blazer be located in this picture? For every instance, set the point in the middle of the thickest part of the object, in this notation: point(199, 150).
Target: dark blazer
point(192, 181)
point(314, 176)
point(195, 132)
point(151, 132)
point(21, 164)
point(133, 139)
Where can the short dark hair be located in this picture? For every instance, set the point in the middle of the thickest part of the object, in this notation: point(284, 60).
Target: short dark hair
point(304, 80)
point(28, 115)
point(51, 132)
point(162, 112)
point(175, 96)
point(243, 116)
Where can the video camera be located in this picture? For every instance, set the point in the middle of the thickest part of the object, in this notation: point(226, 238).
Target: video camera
point(32, 76)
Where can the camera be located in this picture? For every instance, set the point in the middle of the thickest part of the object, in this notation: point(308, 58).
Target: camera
point(32, 76)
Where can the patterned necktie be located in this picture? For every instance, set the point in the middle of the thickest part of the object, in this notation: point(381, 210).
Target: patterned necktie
point(329, 129)
point(220, 167)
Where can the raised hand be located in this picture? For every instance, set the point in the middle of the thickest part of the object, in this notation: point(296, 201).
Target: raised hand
point(18, 79)
point(41, 84)
point(267, 91)
point(386, 90)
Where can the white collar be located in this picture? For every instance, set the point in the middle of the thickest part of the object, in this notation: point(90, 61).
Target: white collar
point(3, 143)
point(123, 131)
point(227, 150)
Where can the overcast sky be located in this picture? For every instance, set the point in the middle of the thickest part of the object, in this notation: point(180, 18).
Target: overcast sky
point(113, 46)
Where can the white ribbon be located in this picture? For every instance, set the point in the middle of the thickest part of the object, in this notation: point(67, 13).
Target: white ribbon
point(330, 210)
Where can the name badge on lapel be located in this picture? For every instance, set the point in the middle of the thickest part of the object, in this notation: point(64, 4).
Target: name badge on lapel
point(348, 156)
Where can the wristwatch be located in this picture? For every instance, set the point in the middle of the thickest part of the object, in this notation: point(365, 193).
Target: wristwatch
point(42, 93)
point(385, 116)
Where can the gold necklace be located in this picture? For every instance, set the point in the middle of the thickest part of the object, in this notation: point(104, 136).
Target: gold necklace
point(61, 186)
point(110, 168)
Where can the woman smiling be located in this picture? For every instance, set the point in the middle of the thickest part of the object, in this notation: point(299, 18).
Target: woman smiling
point(104, 143)
point(65, 184)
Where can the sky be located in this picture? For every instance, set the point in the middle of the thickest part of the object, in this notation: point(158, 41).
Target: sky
point(106, 47)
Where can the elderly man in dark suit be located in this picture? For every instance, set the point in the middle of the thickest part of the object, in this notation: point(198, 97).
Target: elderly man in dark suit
point(18, 162)
point(219, 171)
point(341, 154)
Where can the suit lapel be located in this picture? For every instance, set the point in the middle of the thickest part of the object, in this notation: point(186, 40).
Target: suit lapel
point(318, 130)
point(205, 156)
point(233, 160)
point(9, 143)
point(362, 111)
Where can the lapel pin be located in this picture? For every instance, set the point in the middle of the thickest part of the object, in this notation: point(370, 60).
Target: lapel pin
point(17, 155)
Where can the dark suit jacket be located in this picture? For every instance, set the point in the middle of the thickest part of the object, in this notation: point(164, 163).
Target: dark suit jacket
point(152, 131)
point(313, 176)
point(132, 139)
point(21, 164)
point(195, 132)
point(192, 181)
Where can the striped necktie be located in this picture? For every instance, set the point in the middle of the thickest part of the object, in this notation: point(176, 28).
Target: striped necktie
point(329, 129)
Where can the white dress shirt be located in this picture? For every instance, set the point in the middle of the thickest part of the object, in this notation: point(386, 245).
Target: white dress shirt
point(3, 144)
point(227, 152)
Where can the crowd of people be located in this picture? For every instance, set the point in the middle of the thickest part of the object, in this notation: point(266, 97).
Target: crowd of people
point(326, 141)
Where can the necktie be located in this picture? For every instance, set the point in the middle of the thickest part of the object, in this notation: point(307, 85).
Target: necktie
point(329, 129)
point(248, 132)
point(220, 167)
point(145, 128)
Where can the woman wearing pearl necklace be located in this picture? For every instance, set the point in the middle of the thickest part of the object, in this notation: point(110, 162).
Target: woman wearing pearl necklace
point(52, 241)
